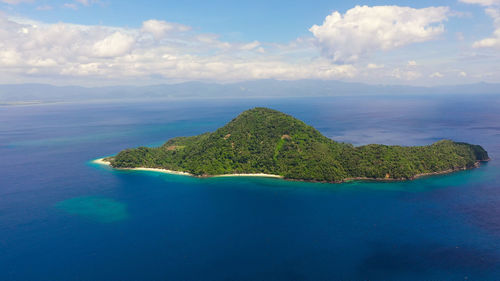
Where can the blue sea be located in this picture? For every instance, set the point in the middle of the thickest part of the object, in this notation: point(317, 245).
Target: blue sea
point(64, 218)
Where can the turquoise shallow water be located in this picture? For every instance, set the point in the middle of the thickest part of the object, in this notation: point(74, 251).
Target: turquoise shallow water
point(64, 218)
point(103, 210)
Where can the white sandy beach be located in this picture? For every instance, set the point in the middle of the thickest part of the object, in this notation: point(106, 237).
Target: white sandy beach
point(249, 175)
point(159, 171)
point(101, 161)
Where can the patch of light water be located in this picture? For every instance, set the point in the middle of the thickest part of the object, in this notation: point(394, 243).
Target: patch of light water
point(100, 209)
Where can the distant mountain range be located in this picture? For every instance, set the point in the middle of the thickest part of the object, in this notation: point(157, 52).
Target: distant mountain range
point(32, 93)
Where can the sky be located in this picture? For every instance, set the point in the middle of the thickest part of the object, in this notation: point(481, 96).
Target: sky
point(106, 42)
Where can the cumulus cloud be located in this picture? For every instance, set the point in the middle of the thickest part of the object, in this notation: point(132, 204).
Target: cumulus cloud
point(116, 44)
point(405, 74)
point(160, 28)
point(61, 51)
point(482, 2)
point(493, 11)
point(493, 41)
point(436, 75)
point(374, 66)
point(362, 30)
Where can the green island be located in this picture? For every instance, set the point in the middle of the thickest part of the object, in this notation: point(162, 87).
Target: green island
point(264, 141)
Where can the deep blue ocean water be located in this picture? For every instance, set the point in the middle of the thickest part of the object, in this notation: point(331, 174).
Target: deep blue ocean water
point(64, 218)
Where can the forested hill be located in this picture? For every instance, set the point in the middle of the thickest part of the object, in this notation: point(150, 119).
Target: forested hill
point(263, 140)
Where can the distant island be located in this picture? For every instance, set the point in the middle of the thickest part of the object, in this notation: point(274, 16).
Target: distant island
point(266, 142)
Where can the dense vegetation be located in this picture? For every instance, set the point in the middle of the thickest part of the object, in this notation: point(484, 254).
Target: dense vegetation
point(263, 140)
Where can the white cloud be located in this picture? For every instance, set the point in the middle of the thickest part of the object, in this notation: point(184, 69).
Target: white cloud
point(250, 46)
point(83, 2)
point(494, 41)
point(494, 12)
point(160, 28)
point(487, 43)
point(116, 44)
point(362, 30)
point(462, 74)
point(482, 2)
point(72, 6)
point(160, 51)
point(10, 58)
point(405, 74)
point(87, 2)
point(374, 66)
point(436, 75)
point(78, 3)
point(64, 51)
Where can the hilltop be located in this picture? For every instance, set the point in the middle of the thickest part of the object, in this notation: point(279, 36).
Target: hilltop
point(267, 141)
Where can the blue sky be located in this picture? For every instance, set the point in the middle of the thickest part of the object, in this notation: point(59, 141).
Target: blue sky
point(90, 42)
point(270, 20)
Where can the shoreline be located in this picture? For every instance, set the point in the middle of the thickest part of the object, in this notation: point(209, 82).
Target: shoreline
point(417, 176)
point(248, 175)
point(101, 161)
